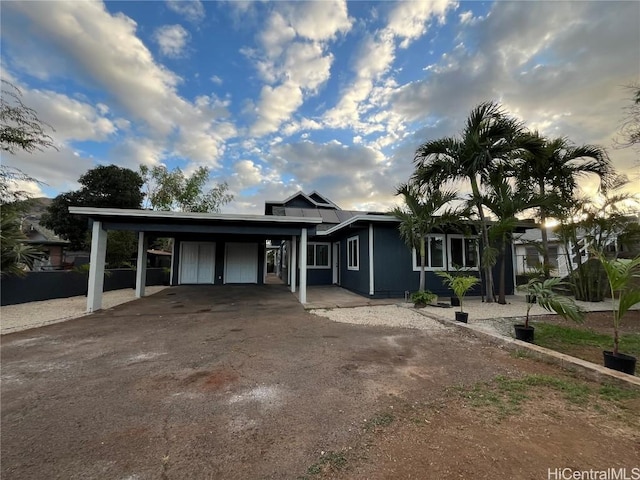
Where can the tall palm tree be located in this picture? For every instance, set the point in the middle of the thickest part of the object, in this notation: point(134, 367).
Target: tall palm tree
point(418, 217)
point(554, 168)
point(488, 138)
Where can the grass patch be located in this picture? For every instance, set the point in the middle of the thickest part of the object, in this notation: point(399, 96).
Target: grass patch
point(506, 395)
point(559, 338)
point(380, 420)
point(618, 394)
point(330, 461)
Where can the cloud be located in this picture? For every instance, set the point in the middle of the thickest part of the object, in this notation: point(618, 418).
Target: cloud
point(172, 40)
point(192, 10)
point(294, 61)
point(216, 79)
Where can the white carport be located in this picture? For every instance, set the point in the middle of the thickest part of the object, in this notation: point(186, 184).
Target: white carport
point(145, 222)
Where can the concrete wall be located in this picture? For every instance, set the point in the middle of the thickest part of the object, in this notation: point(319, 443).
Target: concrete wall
point(36, 286)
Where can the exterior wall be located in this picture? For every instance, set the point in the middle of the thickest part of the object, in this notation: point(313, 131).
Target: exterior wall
point(37, 286)
point(355, 280)
point(220, 242)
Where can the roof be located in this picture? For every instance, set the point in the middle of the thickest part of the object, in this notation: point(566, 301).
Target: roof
point(314, 200)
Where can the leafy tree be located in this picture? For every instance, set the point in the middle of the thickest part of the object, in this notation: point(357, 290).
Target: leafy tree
point(15, 255)
point(418, 217)
point(553, 170)
point(20, 127)
point(488, 139)
point(104, 186)
point(172, 190)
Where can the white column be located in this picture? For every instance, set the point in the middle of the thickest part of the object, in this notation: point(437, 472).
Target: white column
point(141, 267)
point(173, 259)
point(371, 280)
point(303, 266)
point(294, 254)
point(96, 267)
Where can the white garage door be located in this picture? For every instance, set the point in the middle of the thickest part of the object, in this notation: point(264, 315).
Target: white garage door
point(241, 263)
point(197, 262)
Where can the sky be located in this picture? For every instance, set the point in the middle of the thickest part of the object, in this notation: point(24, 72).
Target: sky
point(331, 96)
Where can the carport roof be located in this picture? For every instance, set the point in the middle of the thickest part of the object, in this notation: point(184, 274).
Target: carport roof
point(160, 221)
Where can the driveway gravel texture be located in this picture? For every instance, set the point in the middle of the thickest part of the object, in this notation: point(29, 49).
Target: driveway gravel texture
point(224, 382)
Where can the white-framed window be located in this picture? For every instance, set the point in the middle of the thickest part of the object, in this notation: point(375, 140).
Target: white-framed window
point(463, 252)
point(435, 254)
point(318, 255)
point(353, 253)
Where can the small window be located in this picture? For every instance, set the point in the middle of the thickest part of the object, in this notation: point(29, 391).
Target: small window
point(553, 256)
point(318, 255)
point(434, 248)
point(463, 252)
point(532, 256)
point(353, 253)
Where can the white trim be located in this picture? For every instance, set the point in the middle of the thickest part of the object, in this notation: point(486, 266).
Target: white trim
point(141, 265)
point(173, 259)
point(429, 268)
point(294, 254)
point(357, 258)
point(335, 259)
point(371, 279)
point(358, 218)
point(315, 255)
point(303, 266)
point(96, 267)
point(450, 266)
point(128, 212)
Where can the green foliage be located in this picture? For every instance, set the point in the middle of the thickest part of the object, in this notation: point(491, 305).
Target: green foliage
point(104, 186)
point(15, 255)
point(561, 339)
point(423, 297)
point(421, 214)
point(328, 462)
point(551, 301)
point(20, 127)
point(172, 190)
point(620, 274)
point(460, 284)
point(383, 419)
point(122, 247)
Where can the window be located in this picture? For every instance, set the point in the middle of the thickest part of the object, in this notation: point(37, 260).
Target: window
point(532, 257)
point(553, 256)
point(463, 252)
point(435, 255)
point(318, 255)
point(353, 253)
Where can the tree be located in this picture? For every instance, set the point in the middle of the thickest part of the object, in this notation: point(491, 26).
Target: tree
point(418, 218)
point(630, 130)
point(104, 186)
point(553, 170)
point(172, 190)
point(488, 138)
point(20, 127)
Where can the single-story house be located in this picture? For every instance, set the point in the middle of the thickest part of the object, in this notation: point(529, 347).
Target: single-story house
point(317, 243)
point(52, 247)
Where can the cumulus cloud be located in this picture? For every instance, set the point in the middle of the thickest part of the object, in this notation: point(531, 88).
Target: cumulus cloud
point(172, 40)
point(192, 10)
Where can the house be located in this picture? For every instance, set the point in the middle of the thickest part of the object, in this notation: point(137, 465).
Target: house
point(51, 246)
point(315, 243)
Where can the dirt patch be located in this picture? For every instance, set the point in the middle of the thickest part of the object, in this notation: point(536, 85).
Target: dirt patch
point(147, 392)
point(600, 322)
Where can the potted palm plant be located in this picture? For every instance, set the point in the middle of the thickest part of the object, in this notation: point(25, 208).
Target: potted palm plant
point(460, 284)
point(624, 295)
point(541, 291)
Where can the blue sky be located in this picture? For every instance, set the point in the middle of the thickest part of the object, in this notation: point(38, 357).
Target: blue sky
point(276, 97)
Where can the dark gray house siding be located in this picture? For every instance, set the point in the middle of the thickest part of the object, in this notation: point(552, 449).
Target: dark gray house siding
point(355, 280)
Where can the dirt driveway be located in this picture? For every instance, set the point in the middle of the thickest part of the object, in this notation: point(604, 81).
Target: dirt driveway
point(223, 383)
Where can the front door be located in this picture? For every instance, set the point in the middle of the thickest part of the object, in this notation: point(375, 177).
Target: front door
point(336, 263)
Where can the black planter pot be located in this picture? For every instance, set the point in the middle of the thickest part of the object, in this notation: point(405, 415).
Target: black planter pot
point(524, 333)
point(455, 302)
point(462, 317)
point(620, 362)
point(531, 299)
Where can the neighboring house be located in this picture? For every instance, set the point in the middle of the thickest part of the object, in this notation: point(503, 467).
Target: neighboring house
point(52, 246)
point(315, 243)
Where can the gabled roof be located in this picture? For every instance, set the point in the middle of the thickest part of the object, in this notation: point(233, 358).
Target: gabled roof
point(314, 200)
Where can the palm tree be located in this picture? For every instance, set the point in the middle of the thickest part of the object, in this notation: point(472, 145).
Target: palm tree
point(488, 138)
point(554, 168)
point(418, 217)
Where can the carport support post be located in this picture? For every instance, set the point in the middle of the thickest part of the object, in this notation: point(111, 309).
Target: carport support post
point(303, 266)
point(141, 266)
point(294, 254)
point(96, 267)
